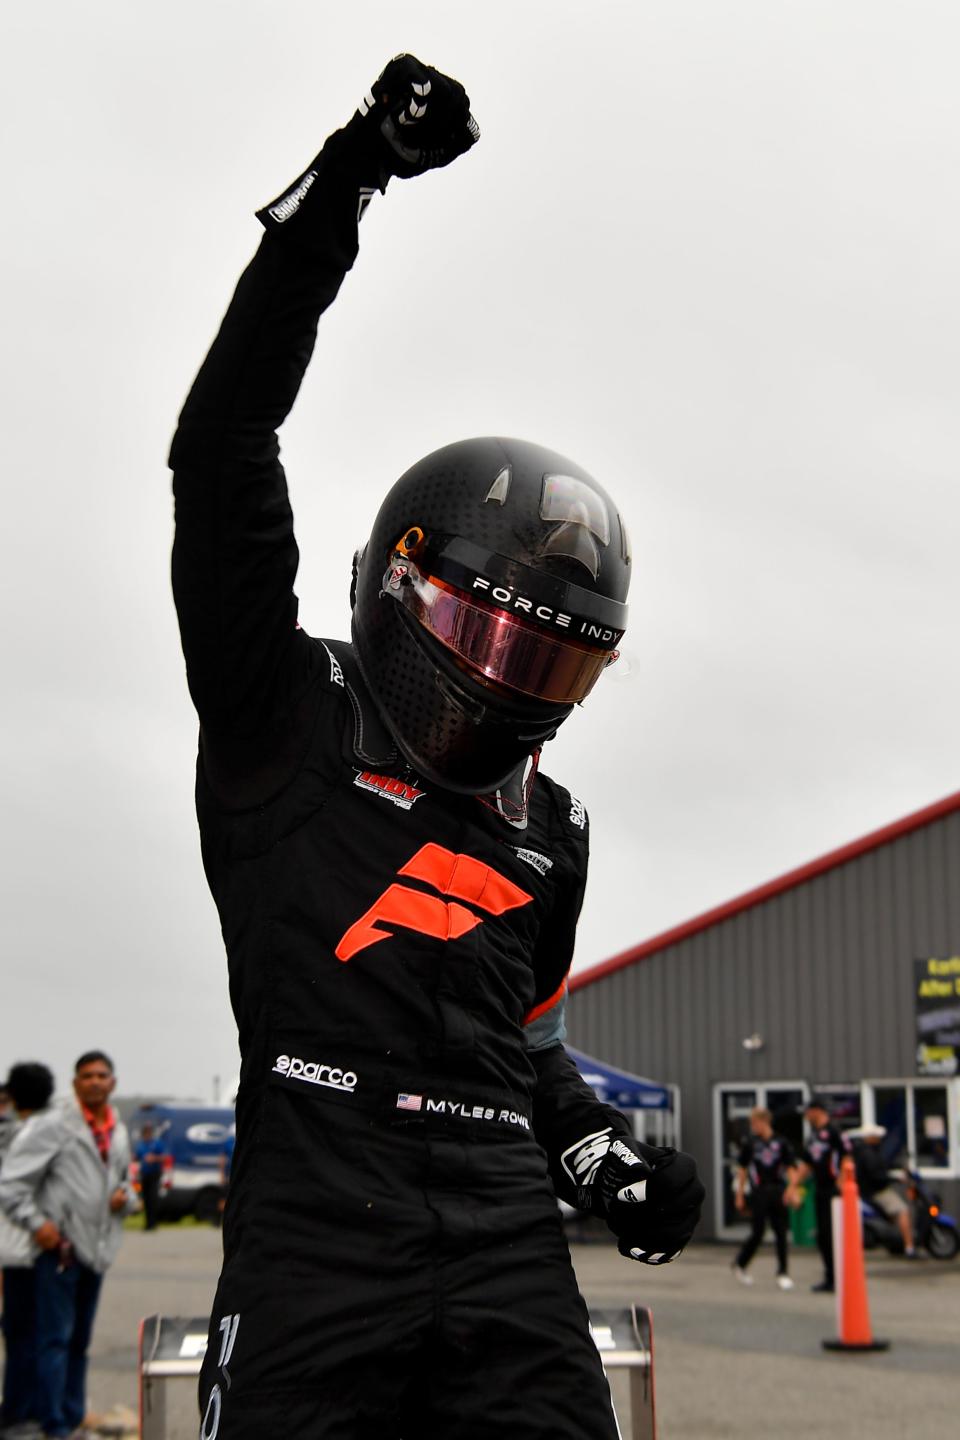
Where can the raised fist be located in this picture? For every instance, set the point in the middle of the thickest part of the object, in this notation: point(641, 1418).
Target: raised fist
point(423, 117)
point(649, 1196)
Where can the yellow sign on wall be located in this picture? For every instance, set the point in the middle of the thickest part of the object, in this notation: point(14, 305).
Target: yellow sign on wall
point(937, 1010)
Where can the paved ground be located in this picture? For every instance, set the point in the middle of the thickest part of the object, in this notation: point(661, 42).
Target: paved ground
point(749, 1363)
point(729, 1361)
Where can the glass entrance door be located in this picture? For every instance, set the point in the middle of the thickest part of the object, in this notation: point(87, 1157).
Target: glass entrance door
point(732, 1104)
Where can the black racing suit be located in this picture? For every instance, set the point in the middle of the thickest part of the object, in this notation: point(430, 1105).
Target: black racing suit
point(823, 1153)
point(767, 1163)
point(394, 1262)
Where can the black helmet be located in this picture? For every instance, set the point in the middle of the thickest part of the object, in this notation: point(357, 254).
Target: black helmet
point(487, 601)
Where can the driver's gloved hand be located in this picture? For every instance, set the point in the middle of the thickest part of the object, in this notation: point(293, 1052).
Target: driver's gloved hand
point(650, 1196)
point(414, 118)
point(422, 116)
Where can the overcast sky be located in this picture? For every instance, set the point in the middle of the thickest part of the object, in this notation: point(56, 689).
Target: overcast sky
point(709, 250)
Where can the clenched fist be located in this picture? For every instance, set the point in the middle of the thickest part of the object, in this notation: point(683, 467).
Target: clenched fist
point(649, 1196)
point(423, 116)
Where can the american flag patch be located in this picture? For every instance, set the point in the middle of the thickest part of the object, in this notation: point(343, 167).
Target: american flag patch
point(409, 1102)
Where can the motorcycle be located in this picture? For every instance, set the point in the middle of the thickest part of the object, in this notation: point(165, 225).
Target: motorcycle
point(933, 1229)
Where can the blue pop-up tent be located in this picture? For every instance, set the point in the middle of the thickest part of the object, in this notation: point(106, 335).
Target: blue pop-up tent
point(619, 1087)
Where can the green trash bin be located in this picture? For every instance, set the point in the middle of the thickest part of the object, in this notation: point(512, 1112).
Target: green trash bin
point(803, 1221)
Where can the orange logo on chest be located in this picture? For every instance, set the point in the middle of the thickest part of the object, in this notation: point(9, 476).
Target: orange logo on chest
point(458, 875)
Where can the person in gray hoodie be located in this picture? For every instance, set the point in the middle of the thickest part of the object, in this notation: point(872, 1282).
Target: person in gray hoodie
point(64, 1181)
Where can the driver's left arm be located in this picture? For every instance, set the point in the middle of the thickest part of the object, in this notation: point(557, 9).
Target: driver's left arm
point(650, 1196)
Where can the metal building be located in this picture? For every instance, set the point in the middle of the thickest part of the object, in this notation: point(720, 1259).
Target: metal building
point(841, 976)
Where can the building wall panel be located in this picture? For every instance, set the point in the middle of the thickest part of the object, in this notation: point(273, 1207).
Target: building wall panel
point(823, 971)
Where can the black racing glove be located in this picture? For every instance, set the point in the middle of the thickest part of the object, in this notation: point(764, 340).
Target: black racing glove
point(649, 1196)
point(414, 118)
point(423, 117)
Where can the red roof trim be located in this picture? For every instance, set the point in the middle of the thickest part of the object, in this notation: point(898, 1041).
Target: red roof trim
point(789, 881)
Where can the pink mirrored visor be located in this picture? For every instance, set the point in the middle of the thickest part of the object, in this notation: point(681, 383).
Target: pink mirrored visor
point(503, 647)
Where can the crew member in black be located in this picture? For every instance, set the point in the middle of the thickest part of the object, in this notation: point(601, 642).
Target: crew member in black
point(821, 1157)
point(398, 888)
point(767, 1162)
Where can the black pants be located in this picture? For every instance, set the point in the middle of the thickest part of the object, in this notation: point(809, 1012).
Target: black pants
point(823, 1200)
point(150, 1191)
point(424, 1292)
point(766, 1203)
point(20, 1396)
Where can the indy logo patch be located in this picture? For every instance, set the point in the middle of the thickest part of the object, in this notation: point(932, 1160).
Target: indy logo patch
point(389, 788)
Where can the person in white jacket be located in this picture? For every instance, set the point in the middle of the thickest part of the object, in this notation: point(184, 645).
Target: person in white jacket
point(64, 1181)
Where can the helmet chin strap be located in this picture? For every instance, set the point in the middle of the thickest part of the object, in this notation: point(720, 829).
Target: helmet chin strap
point(512, 800)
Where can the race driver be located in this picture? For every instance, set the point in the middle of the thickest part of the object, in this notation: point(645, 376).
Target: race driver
point(398, 888)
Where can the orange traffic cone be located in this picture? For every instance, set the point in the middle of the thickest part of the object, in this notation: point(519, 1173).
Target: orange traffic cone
point(853, 1312)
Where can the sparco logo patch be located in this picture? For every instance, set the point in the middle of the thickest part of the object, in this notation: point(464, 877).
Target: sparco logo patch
point(534, 858)
point(290, 203)
point(311, 1072)
point(336, 673)
point(386, 786)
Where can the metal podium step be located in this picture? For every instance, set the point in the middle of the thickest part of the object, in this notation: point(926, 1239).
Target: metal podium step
point(624, 1337)
point(172, 1348)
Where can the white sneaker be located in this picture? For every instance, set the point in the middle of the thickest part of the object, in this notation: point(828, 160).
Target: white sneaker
point(742, 1275)
point(784, 1282)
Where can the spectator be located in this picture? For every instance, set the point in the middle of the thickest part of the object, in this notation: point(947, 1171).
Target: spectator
point(768, 1162)
point(876, 1183)
point(8, 1119)
point(821, 1158)
point(64, 1180)
point(29, 1087)
point(150, 1153)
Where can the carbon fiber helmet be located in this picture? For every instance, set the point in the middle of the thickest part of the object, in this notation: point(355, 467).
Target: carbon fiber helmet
point(488, 599)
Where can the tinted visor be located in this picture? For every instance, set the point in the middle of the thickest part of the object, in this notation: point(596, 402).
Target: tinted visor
point(494, 643)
